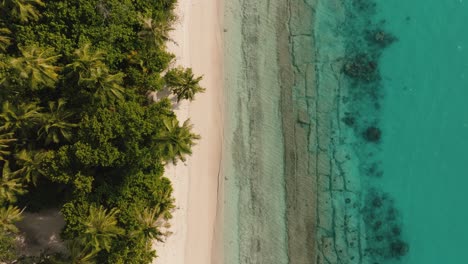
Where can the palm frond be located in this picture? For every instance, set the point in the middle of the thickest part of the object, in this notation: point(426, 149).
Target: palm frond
point(8, 217)
point(36, 66)
point(10, 185)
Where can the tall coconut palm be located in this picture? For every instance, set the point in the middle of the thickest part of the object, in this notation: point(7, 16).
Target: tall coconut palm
point(23, 10)
point(55, 126)
point(5, 39)
point(10, 185)
point(23, 116)
point(101, 227)
point(5, 143)
point(106, 87)
point(31, 165)
point(154, 32)
point(183, 83)
point(85, 59)
point(9, 215)
point(151, 224)
point(176, 141)
point(36, 66)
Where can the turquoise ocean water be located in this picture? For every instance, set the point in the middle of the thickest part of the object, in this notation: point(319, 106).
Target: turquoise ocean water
point(346, 132)
point(425, 125)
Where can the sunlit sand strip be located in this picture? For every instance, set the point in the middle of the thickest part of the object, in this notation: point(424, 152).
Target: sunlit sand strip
point(196, 183)
point(172, 250)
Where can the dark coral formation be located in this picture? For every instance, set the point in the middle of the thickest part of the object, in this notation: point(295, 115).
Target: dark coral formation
point(380, 37)
point(384, 236)
point(349, 119)
point(372, 134)
point(373, 170)
point(355, 225)
point(366, 41)
point(361, 67)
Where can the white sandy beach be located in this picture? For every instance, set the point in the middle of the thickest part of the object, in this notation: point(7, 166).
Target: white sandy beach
point(196, 224)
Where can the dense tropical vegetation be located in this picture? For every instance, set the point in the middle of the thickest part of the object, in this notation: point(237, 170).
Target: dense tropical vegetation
point(77, 131)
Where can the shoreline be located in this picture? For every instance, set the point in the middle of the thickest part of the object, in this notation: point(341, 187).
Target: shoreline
point(197, 220)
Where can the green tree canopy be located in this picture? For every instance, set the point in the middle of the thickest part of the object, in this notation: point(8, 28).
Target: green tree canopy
point(77, 130)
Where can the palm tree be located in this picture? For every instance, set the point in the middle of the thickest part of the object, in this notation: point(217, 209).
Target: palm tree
point(151, 222)
point(84, 60)
point(36, 66)
point(8, 217)
point(23, 10)
point(165, 199)
point(106, 87)
point(10, 186)
point(80, 253)
point(183, 83)
point(55, 127)
point(3, 67)
point(176, 141)
point(31, 165)
point(5, 39)
point(5, 141)
point(154, 32)
point(14, 118)
point(101, 227)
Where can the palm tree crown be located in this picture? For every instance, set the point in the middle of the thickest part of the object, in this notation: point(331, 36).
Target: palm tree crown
point(14, 118)
point(183, 83)
point(5, 142)
point(84, 60)
point(8, 217)
point(155, 33)
point(31, 165)
point(3, 69)
point(5, 39)
point(106, 87)
point(80, 253)
point(55, 126)
point(23, 10)
point(10, 186)
point(101, 227)
point(37, 66)
point(176, 141)
point(151, 223)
